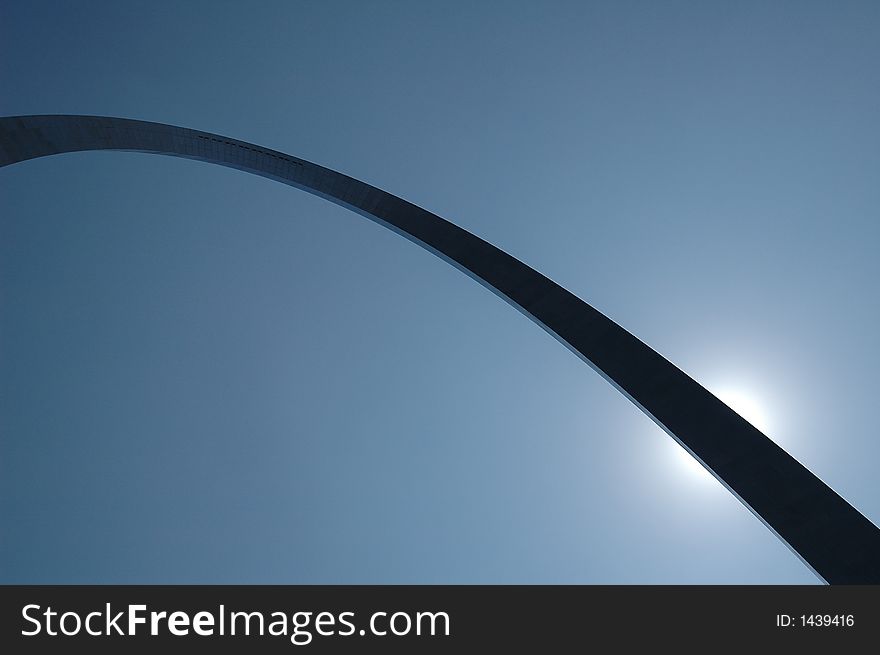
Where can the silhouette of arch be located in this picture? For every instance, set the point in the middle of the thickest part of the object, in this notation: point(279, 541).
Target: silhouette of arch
point(838, 543)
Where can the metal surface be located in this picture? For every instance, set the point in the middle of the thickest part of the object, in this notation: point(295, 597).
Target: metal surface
point(837, 542)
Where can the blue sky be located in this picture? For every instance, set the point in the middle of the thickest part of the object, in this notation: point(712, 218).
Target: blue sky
point(209, 377)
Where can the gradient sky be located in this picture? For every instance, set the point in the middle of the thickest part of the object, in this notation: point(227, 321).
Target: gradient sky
point(210, 377)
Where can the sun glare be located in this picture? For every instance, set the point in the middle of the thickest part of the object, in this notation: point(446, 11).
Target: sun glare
point(743, 403)
point(746, 405)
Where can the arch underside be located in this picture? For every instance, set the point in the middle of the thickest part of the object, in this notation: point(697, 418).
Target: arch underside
point(837, 542)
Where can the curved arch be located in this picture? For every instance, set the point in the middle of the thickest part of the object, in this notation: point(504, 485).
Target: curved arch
point(837, 542)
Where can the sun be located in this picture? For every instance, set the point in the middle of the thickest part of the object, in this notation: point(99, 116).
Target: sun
point(745, 403)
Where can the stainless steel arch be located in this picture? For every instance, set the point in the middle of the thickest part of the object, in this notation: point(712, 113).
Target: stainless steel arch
point(837, 542)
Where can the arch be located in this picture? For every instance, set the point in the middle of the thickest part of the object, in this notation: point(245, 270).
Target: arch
point(837, 542)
